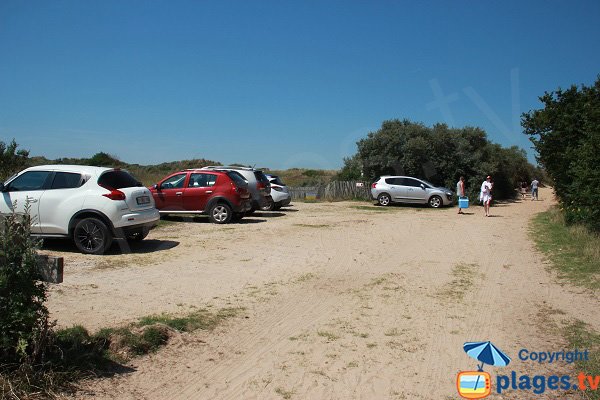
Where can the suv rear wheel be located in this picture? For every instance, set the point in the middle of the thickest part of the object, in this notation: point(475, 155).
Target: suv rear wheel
point(220, 213)
point(268, 206)
point(384, 199)
point(91, 236)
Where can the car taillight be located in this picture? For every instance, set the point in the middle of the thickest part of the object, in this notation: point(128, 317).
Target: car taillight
point(373, 185)
point(115, 195)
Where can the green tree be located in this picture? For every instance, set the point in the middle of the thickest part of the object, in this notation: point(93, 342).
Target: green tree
point(566, 136)
point(11, 159)
point(440, 155)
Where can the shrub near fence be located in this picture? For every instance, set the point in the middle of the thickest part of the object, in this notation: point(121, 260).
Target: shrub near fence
point(333, 191)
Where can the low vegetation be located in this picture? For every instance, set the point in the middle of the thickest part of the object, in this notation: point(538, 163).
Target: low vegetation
point(573, 251)
point(580, 336)
point(75, 353)
point(150, 174)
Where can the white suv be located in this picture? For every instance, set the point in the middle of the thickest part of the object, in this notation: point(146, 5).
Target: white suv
point(91, 205)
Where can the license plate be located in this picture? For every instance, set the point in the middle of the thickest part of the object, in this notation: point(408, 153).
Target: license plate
point(143, 200)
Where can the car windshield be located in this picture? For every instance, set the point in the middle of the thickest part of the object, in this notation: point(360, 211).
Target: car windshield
point(427, 183)
point(117, 179)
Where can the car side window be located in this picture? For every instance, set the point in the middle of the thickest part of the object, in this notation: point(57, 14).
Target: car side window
point(412, 182)
point(174, 182)
point(395, 181)
point(32, 180)
point(202, 180)
point(66, 180)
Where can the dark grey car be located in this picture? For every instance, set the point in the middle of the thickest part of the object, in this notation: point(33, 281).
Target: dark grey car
point(406, 189)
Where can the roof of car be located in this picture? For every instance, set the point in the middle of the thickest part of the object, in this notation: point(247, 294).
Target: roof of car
point(70, 168)
point(229, 167)
point(204, 170)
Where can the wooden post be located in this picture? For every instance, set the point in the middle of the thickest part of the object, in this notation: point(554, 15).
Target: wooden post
point(50, 268)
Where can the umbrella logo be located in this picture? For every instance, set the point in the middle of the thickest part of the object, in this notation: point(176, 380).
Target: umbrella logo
point(478, 384)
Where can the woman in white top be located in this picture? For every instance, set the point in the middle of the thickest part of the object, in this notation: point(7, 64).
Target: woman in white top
point(486, 194)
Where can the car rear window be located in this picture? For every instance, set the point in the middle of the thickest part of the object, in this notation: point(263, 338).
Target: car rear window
point(117, 179)
point(237, 178)
point(260, 177)
point(276, 180)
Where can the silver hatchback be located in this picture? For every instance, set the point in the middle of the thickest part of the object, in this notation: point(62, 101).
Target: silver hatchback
point(406, 189)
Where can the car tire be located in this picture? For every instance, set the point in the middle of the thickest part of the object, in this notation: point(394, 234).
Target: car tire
point(269, 206)
point(384, 199)
point(435, 202)
point(91, 236)
point(220, 213)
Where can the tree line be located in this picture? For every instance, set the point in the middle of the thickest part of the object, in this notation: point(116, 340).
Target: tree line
point(440, 155)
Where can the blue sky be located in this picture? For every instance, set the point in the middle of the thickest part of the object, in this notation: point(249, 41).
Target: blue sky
point(277, 83)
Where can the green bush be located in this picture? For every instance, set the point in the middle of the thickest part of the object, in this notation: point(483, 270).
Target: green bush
point(23, 315)
point(566, 135)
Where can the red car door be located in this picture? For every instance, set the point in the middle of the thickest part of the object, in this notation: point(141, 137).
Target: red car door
point(200, 188)
point(168, 194)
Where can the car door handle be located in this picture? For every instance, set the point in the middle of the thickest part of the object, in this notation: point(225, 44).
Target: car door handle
point(209, 191)
point(178, 193)
point(31, 200)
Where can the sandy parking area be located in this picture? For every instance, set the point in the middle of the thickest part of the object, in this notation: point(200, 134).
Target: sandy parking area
point(342, 301)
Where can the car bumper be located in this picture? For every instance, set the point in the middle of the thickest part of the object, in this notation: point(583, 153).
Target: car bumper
point(148, 217)
point(281, 197)
point(448, 200)
point(285, 202)
point(140, 222)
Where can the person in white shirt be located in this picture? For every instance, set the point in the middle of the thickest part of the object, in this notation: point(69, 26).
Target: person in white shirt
point(486, 194)
point(534, 189)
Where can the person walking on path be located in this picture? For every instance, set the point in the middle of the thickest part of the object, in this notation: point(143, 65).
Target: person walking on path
point(523, 189)
point(460, 191)
point(486, 194)
point(534, 189)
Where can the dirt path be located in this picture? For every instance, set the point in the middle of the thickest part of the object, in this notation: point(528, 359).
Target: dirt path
point(341, 302)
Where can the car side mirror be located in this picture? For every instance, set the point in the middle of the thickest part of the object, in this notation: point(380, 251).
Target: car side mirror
point(156, 186)
point(422, 186)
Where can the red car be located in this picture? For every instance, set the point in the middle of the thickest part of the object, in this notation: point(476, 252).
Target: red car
point(222, 195)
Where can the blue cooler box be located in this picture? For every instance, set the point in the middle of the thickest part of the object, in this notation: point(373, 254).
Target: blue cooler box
point(463, 202)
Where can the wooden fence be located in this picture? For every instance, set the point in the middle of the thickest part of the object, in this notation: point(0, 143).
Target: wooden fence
point(336, 190)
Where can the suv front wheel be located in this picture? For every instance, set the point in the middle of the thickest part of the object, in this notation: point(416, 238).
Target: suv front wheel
point(91, 236)
point(435, 202)
point(220, 213)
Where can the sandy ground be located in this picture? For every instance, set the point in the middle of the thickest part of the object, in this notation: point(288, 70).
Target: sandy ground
point(342, 301)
